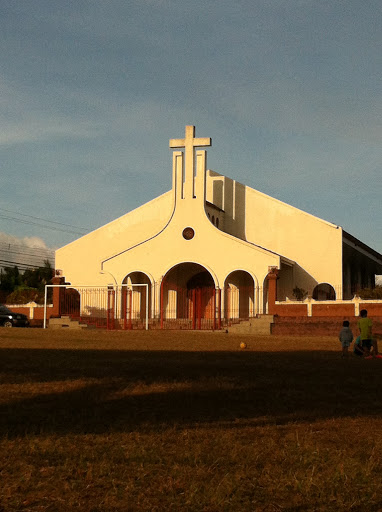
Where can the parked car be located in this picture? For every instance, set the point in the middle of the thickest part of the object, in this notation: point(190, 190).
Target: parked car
point(10, 319)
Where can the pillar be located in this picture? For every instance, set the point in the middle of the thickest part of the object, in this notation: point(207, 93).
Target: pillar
point(272, 290)
point(57, 294)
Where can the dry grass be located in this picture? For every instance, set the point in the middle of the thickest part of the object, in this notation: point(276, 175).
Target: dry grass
point(185, 421)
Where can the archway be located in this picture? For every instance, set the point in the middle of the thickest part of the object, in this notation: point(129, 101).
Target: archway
point(188, 298)
point(70, 302)
point(135, 298)
point(239, 295)
point(324, 291)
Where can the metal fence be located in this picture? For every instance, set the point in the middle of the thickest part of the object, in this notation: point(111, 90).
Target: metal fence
point(133, 306)
point(91, 305)
point(123, 307)
point(196, 308)
point(239, 303)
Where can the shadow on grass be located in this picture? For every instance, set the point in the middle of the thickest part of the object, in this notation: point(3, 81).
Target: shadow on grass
point(143, 390)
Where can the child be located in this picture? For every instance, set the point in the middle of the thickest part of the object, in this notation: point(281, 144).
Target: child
point(358, 350)
point(346, 337)
point(365, 326)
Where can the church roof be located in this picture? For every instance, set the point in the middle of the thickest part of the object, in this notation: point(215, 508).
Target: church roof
point(358, 244)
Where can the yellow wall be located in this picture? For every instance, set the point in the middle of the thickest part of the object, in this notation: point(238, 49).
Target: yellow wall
point(81, 260)
point(149, 239)
point(257, 229)
point(312, 243)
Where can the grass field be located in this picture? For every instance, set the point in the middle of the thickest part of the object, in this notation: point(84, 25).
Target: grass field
point(95, 421)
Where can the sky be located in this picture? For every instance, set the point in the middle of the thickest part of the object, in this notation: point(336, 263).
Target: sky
point(92, 91)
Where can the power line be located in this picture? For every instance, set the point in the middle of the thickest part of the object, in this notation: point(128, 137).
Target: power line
point(44, 220)
point(25, 245)
point(30, 223)
point(24, 266)
point(22, 253)
point(23, 256)
point(25, 263)
point(20, 250)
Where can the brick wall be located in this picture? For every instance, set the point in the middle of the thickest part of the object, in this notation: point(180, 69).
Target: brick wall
point(337, 310)
point(320, 326)
point(293, 310)
point(373, 309)
point(35, 313)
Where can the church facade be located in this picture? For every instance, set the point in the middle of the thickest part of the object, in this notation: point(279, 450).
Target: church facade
point(209, 246)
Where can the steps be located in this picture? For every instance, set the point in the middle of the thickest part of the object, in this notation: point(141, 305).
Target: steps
point(65, 322)
point(261, 326)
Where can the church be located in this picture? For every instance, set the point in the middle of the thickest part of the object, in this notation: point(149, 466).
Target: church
point(207, 249)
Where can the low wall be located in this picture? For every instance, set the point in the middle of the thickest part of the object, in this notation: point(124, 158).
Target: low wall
point(334, 308)
point(324, 318)
point(320, 326)
point(35, 312)
point(291, 309)
point(373, 308)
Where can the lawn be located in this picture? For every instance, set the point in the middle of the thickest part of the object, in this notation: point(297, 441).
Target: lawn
point(95, 421)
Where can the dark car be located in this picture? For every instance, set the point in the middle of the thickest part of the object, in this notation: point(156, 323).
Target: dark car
point(10, 319)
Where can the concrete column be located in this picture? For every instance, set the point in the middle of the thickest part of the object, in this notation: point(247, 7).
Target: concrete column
point(272, 290)
point(157, 298)
point(57, 294)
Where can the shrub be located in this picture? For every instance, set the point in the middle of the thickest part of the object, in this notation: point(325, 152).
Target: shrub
point(299, 293)
point(371, 293)
point(25, 295)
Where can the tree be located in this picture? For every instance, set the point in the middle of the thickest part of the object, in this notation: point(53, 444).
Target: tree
point(26, 287)
point(39, 277)
point(10, 279)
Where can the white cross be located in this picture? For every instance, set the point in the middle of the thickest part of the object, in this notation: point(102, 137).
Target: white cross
point(189, 143)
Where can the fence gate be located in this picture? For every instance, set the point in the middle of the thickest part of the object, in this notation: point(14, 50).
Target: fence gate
point(196, 308)
point(108, 307)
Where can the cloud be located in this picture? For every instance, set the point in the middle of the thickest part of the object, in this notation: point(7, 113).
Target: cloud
point(24, 252)
point(27, 241)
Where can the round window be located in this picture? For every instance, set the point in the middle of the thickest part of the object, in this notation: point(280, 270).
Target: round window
point(188, 233)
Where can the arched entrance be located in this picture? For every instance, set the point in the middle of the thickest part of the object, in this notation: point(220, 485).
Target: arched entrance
point(239, 296)
point(188, 298)
point(135, 299)
point(70, 302)
point(324, 291)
